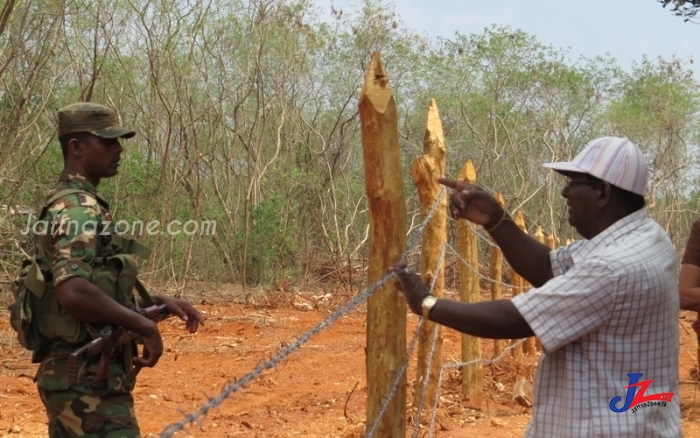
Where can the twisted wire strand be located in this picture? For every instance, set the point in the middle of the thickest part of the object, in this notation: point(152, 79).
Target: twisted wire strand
point(276, 360)
point(416, 422)
point(272, 363)
point(395, 383)
point(431, 354)
point(464, 364)
point(454, 252)
point(418, 232)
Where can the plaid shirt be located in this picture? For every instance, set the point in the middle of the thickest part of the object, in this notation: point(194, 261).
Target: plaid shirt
point(611, 309)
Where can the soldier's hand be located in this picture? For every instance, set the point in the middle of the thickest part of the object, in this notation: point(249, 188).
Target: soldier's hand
point(152, 347)
point(184, 310)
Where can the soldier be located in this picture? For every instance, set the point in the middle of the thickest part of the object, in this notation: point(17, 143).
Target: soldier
point(90, 284)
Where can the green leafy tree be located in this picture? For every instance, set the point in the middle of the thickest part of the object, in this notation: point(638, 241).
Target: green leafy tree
point(657, 108)
point(246, 113)
point(510, 103)
point(683, 8)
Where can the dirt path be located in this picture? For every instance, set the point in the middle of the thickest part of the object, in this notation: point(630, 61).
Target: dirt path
point(317, 391)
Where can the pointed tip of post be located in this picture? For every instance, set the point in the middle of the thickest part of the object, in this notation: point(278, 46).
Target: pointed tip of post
point(433, 109)
point(500, 199)
point(434, 139)
point(376, 73)
point(471, 171)
point(433, 122)
point(467, 173)
point(376, 83)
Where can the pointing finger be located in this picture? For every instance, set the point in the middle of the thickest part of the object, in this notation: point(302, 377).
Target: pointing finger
point(451, 183)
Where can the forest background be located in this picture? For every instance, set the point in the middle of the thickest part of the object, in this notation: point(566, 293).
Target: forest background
point(246, 113)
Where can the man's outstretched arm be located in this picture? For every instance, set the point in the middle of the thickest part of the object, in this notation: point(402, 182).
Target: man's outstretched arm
point(497, 319)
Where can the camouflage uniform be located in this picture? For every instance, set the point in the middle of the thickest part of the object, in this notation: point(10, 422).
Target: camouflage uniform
point(88, 408)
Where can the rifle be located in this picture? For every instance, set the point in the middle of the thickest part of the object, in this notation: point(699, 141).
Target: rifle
point(109, 338)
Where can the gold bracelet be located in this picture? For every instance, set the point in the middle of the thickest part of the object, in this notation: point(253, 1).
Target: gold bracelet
point(498, 224)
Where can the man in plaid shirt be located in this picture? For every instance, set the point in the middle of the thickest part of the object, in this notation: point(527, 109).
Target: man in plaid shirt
point(605, 308)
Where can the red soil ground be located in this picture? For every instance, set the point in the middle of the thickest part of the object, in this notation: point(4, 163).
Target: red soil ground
point(317, 391)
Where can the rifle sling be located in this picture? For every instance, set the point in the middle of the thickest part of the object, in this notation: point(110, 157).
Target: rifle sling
point(145, 296)
point(131, 246)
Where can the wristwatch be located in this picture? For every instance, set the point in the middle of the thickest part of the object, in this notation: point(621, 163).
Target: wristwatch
point(427, 304)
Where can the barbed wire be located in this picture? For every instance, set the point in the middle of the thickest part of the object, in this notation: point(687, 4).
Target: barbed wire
point(473, 269)
point(426, 379)
point(215, 402)
point(418, 232)
point(272, 363)
point(461, 365)
point(431, 355)
point(433, 344)
point(395, 383)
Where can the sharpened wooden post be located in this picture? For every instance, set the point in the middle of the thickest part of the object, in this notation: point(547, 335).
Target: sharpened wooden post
point(386, 307)
point(426, 170)
point(496, 278)
point(518, 284)
point(539, 236)
point(550, 242)
point(530, 344)
point(472, 375)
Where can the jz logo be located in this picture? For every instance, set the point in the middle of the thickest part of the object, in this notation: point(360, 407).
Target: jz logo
point(636, 399)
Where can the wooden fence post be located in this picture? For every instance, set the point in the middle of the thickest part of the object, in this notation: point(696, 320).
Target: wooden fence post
point(518, 283)
point(386, 307)
point(551, 244)
point(496, 278)
point(472, 375)
point(532, 344)
point(425, 171)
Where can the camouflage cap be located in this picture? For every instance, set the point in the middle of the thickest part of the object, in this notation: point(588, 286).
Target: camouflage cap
point(93, 118)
